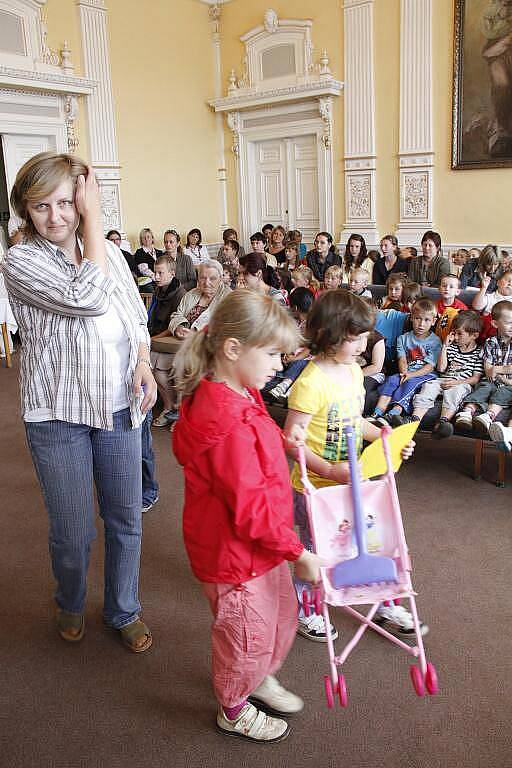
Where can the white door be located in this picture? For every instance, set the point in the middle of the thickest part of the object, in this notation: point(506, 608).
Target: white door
point(271, 193)
point(285, 186)
point(17, 149)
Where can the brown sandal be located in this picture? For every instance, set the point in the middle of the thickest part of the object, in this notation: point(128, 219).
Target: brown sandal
point(70, 626)
point(134, 632)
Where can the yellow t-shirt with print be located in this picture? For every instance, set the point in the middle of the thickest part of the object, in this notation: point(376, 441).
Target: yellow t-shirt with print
point(332, 406)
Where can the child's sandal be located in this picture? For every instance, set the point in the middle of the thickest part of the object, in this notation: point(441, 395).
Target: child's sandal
point(70, 626)
point(133, 633)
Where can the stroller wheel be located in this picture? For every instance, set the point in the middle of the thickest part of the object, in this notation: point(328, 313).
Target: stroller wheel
point(431, 679)
point(417, 680)
point(342, 690)
point(317, 601)
point(305, 602)
point(329, 695)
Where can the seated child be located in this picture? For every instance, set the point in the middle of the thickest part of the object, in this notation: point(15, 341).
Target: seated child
point(448, 305)
point(358, 282)
point(484, 302)
point(458, 261)
point(167, 296)
point(328, 395)
point(296, 237)
point(417, 354)
point(371, 361)
point(301, 301)
point(411, 292)
point(291, 253)
point(460, 368)
point(229, 274)
point(302, 277)
point(394, 298)
point(494, 393)
point(333, 278)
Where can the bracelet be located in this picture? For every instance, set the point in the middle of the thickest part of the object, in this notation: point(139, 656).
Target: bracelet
point(144, 360)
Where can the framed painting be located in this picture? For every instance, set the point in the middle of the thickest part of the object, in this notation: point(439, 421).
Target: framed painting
point(482, 84)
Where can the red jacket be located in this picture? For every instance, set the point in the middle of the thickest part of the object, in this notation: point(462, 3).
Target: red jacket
point(238, 512)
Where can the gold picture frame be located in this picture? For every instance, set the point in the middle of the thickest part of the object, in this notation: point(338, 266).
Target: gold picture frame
point(482, 85)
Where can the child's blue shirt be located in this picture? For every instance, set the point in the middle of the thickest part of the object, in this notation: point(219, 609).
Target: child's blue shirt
point(418, 352)
point(390, 323)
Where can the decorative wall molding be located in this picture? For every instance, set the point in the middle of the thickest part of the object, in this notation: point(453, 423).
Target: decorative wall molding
point(45, 81)
point(214, 13)
point(280, 96)
point(244, 100)
point(416, 156)
point(100, 108)
point(359, 110)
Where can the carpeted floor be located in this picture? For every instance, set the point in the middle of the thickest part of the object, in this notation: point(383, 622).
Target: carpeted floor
point(96, 705)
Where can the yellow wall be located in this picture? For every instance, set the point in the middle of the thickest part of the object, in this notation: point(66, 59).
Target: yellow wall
point(161, 59)
point(163, 75)
point(471, 206)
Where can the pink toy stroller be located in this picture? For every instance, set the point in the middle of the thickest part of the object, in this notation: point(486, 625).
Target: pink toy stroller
point(358, 530)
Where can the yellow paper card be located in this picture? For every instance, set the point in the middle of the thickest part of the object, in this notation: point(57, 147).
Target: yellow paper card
point(373, 461)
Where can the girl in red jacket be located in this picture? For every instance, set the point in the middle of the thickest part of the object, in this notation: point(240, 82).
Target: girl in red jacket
point(238, 515)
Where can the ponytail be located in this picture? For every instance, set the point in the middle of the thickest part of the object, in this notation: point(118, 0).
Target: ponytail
point(192, 361)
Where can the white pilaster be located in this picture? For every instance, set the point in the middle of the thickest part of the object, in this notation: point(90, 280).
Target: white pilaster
point(360, 154)
point(214, 13)
point(416, 154)
point(100, 109)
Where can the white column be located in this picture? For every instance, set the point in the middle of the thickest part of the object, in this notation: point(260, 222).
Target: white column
point(100, 109)
point(416, 154)
point(360, 153)
point(214, 13)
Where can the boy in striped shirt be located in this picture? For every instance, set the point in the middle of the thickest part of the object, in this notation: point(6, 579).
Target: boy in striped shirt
point(460, 368)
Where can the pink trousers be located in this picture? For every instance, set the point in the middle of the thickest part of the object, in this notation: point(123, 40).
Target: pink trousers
point(253, 629)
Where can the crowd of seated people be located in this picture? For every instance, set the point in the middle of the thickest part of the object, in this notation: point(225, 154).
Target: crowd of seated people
point(421, 351)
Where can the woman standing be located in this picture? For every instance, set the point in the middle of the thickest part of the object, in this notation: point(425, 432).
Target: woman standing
point(86, 384)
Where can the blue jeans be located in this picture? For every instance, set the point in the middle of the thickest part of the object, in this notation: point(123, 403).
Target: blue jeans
point(149, 484)
point(67, 458)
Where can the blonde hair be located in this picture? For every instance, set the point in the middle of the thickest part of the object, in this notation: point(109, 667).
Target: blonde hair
point(306, 272)
point(144, 231)
point(363, 274)
point(334, 271)
point(39, 177)
point(253, 319)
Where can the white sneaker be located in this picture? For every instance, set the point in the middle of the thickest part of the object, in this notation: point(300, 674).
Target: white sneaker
point(253, 725)
point(481, 423)
point(273, 696)
point(501, 435)
point(397, 621)
point(464, 420)
point(313, 627)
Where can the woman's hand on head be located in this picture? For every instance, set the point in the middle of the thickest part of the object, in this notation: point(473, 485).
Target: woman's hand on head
point(87, 195)
point(144, 385)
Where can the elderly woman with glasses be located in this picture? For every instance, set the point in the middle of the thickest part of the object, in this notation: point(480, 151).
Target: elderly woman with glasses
point(193, 314)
